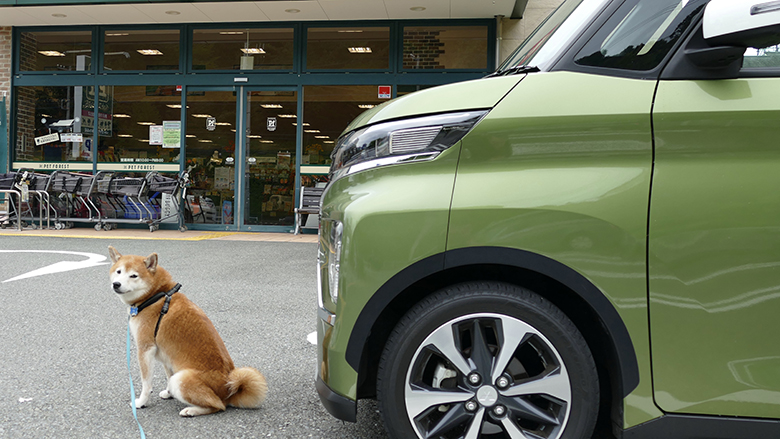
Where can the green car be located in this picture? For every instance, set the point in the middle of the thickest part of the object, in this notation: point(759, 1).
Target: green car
point(587, 240)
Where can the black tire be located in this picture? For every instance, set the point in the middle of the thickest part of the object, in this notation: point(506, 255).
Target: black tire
point(548, 389)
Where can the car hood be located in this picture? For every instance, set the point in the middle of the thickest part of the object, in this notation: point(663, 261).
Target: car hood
point(460, 96)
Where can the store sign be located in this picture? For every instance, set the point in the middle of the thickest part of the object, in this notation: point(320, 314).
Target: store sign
point(72, 137)
point(49, 138)
point(211, 123)
point(105, 104)
point(63, 166)
point(385, 92)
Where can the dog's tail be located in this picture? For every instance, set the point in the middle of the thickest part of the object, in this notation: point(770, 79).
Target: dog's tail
point(247, 388)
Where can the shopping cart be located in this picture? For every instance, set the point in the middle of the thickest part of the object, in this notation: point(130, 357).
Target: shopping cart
point(165, 195)
point(35, 204)
point(71, 201)
point(8, 208)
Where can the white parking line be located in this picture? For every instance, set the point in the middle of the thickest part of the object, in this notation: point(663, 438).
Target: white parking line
point(92, 260)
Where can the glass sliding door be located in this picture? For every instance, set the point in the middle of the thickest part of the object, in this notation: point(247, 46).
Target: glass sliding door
point(211, 156)
point(269, 144)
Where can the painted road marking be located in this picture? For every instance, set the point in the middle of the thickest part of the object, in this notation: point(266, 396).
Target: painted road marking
point(93, 260)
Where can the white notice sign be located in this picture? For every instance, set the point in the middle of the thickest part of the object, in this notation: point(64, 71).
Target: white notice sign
point(49, 138)
point(155, 134)
point(72, 137)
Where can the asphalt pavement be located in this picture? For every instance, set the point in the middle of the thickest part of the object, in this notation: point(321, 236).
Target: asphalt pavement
point(63, 333)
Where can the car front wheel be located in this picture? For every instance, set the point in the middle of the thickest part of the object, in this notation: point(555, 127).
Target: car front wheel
point(487, 360)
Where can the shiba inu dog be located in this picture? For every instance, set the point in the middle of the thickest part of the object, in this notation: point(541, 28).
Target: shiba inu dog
point(170, 328)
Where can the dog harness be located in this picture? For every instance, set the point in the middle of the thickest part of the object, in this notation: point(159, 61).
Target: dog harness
point(134, 310)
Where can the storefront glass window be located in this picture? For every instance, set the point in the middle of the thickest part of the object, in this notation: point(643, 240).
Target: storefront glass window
point(327, 110)
point(211, 157)
point(134, 118)
point(243, 49)
point(348, 48)
point(150, 49)
point(54, 124)
point(58, 51)
point(445, 47)
point(270, 157)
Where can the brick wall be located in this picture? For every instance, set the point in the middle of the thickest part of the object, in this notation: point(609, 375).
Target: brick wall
point(5, 76)
point(422, 49)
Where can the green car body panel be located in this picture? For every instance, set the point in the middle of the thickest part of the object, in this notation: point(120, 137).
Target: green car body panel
point(715, 246)
point(482, 93)
point(575, 179)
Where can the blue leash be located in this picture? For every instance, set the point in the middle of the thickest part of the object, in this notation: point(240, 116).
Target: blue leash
point(132, 389)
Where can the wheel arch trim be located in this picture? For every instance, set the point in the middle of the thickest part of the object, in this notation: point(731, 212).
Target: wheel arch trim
point(576, 282)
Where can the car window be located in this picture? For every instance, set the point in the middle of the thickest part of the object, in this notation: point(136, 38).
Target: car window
point(765, 57)
point(640, 34)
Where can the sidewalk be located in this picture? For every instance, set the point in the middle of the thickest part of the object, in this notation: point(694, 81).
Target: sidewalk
point(170, 235)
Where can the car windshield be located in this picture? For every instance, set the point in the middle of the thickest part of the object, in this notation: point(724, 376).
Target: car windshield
point(553, 35)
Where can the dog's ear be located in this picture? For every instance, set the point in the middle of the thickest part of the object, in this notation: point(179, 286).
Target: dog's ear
point(113, 254)
point(151, 262)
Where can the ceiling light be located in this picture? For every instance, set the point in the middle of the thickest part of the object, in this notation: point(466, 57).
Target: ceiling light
point(117, 35)
point(50, 53)
point(202, 116)
point(231, 33)
point(350, 31)
point(223, 124)
point(173, 105)
point(252, 50)
point(266, 141)
point(124, 135)
point(292, 11)
point(366, 106)
point(271, 106)
point(417, 8)
point(306, 124)
point(190, 136)
point(311, 131)
point(329, 141)
point(58, 15)
point(359, 50)
point(143, 140)
point(121, 115)
point(146, 123)
point(253, 136)
point(149, 52)
point(322, 137)
point(288, 116)
point(173, 12)
point(205, 141)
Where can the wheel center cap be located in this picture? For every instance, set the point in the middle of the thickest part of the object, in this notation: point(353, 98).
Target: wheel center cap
point(487, 396)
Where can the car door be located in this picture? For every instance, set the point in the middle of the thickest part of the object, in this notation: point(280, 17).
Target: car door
point(714, 242)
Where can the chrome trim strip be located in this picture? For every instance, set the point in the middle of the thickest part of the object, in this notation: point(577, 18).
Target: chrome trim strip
point(765, 8)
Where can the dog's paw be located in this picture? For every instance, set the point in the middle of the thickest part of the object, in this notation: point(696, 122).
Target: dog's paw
point(165, 394)
point(189, 412)
point(140, 403)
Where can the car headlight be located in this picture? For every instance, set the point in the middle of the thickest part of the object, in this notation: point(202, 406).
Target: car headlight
point(400, 141)
point(329, 259)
